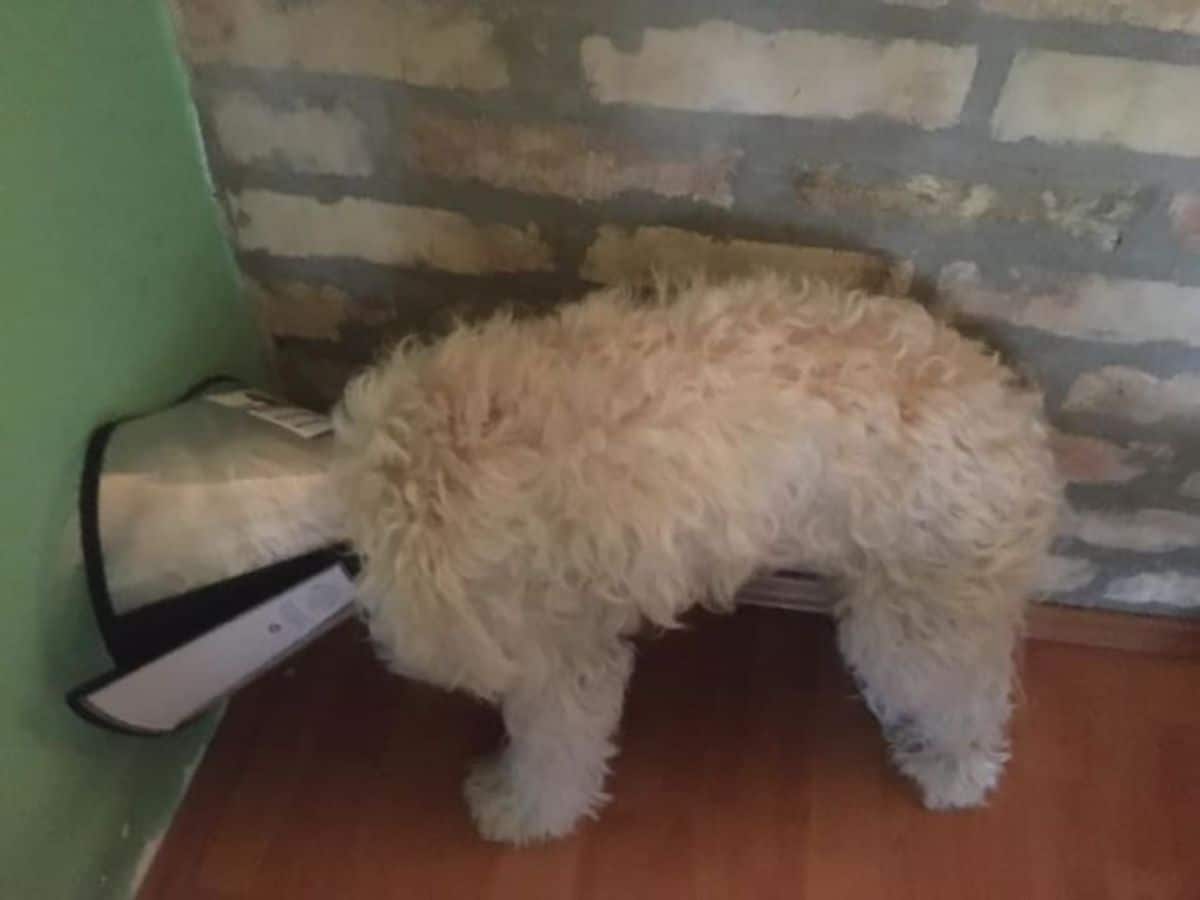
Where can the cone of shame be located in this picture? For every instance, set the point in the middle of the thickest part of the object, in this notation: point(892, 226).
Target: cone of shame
point(212, 548)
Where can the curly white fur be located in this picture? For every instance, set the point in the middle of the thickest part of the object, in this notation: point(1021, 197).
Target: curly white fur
point(526, 494)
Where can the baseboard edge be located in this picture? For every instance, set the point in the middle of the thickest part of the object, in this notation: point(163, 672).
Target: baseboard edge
point(1048, 622)
point(1131, 632)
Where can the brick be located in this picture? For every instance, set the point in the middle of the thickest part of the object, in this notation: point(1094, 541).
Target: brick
point(297, 310)
point(1185, 220)
point(314, 312)
point(948, 204)
point(423, 43)
point(389, 234)
point(1144, 531)
point(1083, 459)
point(562, 160)
point(1191, 486)
point(1062, 574)
point(1084, 306)
point(618, 254)
point(302, 138)
point(1157, 588)
point(722, 67)
point(1137, 396)
point(1163, 15)
point(1064, 98)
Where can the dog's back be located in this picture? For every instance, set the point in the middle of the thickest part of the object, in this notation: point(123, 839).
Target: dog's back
point(636, 457)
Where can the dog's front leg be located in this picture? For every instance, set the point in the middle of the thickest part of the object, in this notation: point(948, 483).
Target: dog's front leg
point(560, 724)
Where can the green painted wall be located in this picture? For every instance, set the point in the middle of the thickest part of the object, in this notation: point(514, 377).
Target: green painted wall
point(117, 291)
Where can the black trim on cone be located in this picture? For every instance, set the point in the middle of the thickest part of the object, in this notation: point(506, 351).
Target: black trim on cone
point(138, 637)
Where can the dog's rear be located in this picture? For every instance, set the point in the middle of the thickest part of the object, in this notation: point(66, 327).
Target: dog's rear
point(526, 494)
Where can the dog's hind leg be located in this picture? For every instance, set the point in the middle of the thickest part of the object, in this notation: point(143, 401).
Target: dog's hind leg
point(560, 724)
point(934, 659)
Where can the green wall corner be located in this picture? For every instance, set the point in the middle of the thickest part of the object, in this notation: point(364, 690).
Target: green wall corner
point(118, 292)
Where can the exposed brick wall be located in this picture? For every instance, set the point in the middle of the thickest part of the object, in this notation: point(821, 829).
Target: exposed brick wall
point(1032, 165)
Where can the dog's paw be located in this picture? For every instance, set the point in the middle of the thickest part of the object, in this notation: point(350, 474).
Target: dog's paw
point(512, 810)
point(954, 781)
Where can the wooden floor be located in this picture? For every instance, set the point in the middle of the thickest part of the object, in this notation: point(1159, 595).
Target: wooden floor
point(749, 770)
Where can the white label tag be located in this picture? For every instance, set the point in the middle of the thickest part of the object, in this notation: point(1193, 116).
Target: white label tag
point(301, 422)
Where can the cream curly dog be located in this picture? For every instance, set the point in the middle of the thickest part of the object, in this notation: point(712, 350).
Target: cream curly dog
point(527, 494)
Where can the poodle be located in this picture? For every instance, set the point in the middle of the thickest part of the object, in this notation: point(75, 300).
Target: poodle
point(527, 493)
